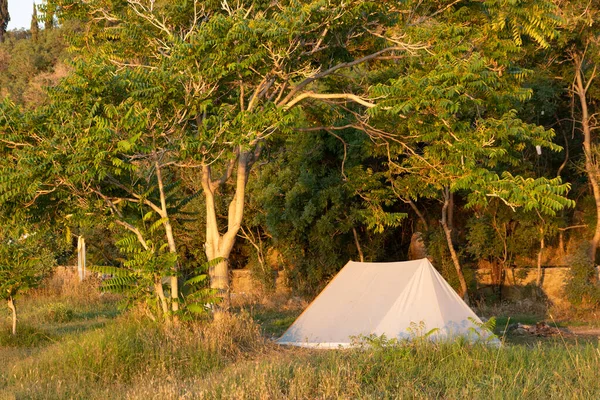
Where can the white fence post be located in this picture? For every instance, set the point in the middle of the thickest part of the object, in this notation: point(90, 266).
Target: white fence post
point(81, 257)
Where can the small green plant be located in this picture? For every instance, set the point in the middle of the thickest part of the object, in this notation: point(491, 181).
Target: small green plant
point(198, 297)
point(482, 332)
point(521, 275)
point(59, 312)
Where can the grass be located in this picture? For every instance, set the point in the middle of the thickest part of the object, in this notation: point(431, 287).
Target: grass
point(421, 371)
point(79, 345)
point(274, 322)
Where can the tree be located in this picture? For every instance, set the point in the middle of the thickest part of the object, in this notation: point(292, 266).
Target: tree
point(28, 67)
point(454, 112)
point(320, 199)
point(580, 49)
point(165, 86)
point(24, 262)
point(48, 9)
point(4, 18)
point(35, 29)
point(224, 78)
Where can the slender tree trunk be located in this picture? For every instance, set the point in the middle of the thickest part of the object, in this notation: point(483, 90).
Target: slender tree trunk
point(170, 239)
point(13, 308)
point(158, 288)
point(360, 253)
point(538, 280)
point(448, 233)
point(81, 257)
point(590, 166)
point(451, 211)
point(419, 214)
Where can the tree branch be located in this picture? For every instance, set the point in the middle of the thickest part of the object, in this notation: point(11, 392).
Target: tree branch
point(329, 96)
point(333, 69)
point(134, 230)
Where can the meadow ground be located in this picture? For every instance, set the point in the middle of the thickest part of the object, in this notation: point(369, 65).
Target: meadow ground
point(75, 343)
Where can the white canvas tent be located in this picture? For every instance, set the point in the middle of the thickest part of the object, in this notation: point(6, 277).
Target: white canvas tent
point(390, 299)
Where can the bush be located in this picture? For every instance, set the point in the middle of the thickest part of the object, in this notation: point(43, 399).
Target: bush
point(581, 288)
point(59, 312)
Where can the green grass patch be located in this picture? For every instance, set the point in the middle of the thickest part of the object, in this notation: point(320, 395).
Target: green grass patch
point(450, 371)
point(27, 336)
point(274, 322)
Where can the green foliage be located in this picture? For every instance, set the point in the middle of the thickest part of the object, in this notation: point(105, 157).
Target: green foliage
point(28, 65)
point(24, 260)
point(581, 288)
point(310, 197)
point(499, 234)
point(198, 297)
point(140, 272)
point(460, 129)
point(192, 88)
point(59, 312)
point(437, 249)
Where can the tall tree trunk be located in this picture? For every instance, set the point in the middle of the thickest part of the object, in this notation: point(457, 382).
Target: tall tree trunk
point(217, 245)
point(591, 168)
point(448, 233)
point(13, 308)
point(170, 239)
point(451, 211)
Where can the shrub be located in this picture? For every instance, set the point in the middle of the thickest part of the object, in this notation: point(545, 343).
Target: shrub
point(581, 289)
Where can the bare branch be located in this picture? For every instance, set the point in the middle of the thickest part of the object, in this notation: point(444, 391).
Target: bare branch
point(135, 230)
point(589, 82)
point(444, 9)
point(333, 69)
point(345, 151)
point(329, 96)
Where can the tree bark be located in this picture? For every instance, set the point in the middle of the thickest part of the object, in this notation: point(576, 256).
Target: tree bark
point(170, 239)
point(360, 253)
point(13, 307)
point(217, 245)
point(451, 211)
point(538, 280)
point(590, 166)
point(158, 288)
point(419, 214)
point(81, 257)
point(448, 233)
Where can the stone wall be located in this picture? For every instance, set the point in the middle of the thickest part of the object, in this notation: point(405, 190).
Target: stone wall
point(243, 283)
point(520, 283)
